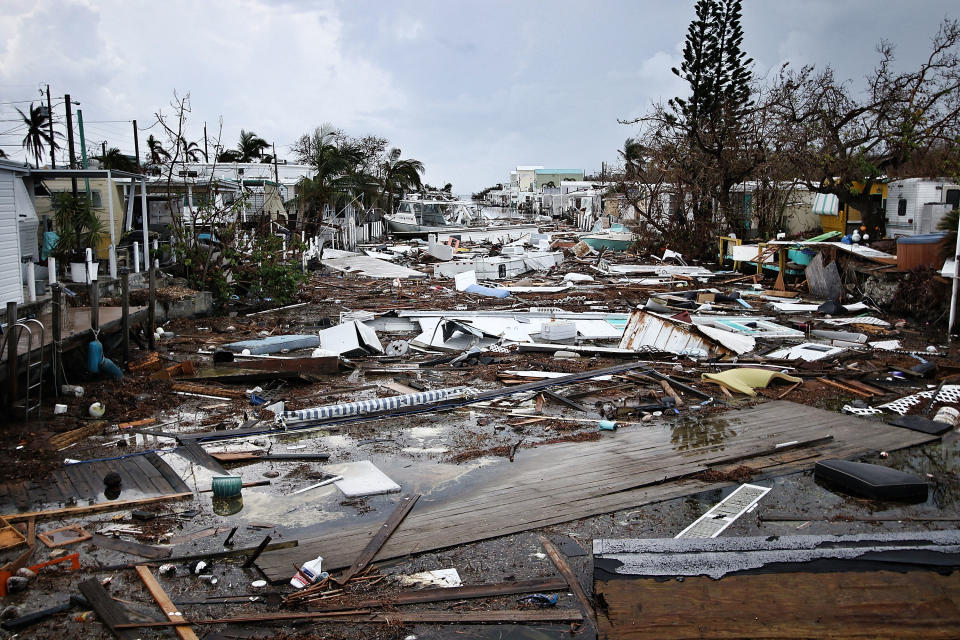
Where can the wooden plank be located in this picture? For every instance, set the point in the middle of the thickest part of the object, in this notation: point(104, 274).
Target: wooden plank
point(174, 481)
point(363, 616)
point(116, 505)
point(452, 593)
point(79, 482)
point(914, 604)
point(166, 605)
point(133, 548)
point(383, 534)
point(149, 476)
point(652, 464)
point(561, 564)
point(108, 611)
point(65, 439)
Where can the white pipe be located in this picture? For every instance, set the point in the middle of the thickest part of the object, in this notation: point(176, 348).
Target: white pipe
point(111, 252)
point(145, 219)
point(51, 270)
point(31, 282)
point(956, 283)
point(136, 257)
point(89, 261)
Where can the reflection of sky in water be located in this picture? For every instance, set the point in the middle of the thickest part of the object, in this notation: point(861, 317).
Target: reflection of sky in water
point(688, 434)
point(941, 461)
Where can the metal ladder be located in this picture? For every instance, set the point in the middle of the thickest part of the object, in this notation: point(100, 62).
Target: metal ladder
point(33, 384)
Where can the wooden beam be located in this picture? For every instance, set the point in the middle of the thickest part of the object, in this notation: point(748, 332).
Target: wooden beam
point(386, 530)
point(364, 616)
point(561, 564)
point(115, 505)
point(454, 593)
point(133, 548)
point(109, 613)
point(163, 600)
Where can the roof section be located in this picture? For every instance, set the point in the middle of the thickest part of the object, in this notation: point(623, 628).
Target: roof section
point(554, 171)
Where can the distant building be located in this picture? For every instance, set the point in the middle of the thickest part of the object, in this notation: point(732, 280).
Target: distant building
point(555, 177)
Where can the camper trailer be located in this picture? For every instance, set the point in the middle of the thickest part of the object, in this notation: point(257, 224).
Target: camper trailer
point(916, 205)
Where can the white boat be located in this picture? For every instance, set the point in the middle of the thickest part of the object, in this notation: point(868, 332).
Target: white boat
point(420, 216)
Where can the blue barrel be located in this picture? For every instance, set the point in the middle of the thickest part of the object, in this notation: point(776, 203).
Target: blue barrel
point(94, 356)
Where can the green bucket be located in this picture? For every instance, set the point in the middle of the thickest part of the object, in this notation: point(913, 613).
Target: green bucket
point(227, 486)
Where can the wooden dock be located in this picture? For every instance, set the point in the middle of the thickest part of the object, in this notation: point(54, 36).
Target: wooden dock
point(634, 466)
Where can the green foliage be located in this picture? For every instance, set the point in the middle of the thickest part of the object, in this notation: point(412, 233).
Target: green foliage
point(270, 276)
point(38, 136)
point(78, 225)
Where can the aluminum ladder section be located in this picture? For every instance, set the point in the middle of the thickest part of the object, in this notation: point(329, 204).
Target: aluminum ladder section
point(725, 512)
point(33, 384)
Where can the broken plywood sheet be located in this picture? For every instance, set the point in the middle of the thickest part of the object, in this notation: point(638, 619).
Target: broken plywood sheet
point(372, 267)
point(823, 280)
point(652, 464)
point(362, 479)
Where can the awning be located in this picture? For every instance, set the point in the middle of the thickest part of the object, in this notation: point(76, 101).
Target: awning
point(826, 204)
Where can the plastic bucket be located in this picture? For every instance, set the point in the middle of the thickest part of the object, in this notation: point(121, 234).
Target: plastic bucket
point(227, 486)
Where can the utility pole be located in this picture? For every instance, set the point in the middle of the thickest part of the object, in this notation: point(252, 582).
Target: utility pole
point(276, 172)
point(206, 156)
point(73, 162)
point(53, 160)
point(83, 153)
point(136, 146)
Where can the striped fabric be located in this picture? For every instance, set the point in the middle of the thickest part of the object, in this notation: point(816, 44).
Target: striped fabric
point(826, 204)
point(375, 405)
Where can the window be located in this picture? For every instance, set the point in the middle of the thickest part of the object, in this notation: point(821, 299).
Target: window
point(953, 197)
point(901, 207)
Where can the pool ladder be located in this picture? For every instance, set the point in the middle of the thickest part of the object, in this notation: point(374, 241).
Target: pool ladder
point(33, 384)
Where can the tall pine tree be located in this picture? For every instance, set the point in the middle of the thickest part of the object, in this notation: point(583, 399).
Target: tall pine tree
point(713, 118)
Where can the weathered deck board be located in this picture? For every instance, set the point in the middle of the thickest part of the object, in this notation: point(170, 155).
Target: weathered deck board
point(870, 604)
point(568, 481)
point(142, 475)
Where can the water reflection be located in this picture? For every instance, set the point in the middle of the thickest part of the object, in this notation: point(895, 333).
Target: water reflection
point(227, 506)
point(687, 434)
point(942, 462)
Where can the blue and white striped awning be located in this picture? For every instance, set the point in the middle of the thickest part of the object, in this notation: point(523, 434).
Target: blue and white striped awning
point(826, 204)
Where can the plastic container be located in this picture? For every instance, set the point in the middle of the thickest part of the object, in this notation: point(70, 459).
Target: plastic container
point(97, 410)
point(227, 486)
point(309, 573)
point(74, 390)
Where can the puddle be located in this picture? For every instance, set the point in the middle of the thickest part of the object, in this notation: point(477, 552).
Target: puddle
point(703, 434)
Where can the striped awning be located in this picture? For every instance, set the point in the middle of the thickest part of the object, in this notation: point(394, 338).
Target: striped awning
point(826, 204)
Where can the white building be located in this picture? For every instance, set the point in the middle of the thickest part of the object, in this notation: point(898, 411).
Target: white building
point(18, 229)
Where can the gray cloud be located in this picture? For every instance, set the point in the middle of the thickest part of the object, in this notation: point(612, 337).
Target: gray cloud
point(469, 88)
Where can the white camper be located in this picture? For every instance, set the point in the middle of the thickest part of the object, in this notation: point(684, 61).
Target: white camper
point(916, 205)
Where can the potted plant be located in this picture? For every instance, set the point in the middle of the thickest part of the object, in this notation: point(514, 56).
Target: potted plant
point(79, 227)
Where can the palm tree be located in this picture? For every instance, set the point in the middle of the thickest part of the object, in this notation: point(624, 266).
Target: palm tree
point(338, 179)
point(114, 159)
point(399, 175)
point(251, 146)
point(229, 155)
point(191, 150)
point(38, 132)
point(157, 154)
point(632, 154)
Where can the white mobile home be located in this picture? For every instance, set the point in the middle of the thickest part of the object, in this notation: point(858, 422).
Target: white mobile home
point(915, 205)
point(18, 230)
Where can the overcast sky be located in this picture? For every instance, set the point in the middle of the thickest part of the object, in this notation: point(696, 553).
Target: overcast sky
point(471, 89)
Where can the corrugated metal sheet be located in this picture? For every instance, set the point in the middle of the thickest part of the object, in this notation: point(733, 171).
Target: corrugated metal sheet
point(649, 331)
